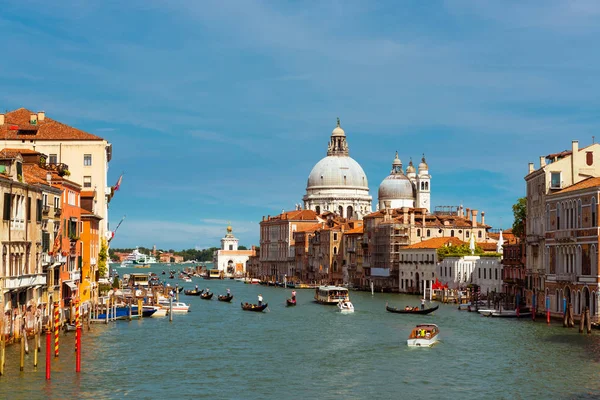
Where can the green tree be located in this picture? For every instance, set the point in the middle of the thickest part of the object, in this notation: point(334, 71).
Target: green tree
point(520, 213)
point(242, 248)
point(102, 258)
point(115, 283)
point(458, 251)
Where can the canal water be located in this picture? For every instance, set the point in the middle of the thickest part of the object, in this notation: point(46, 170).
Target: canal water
point(218, 351)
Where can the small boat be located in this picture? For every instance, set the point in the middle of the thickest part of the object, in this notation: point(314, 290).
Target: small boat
point(411, 310)
point(345, 307)
point(178, 307)
point(164, 273)
point(187, 279)
point(486, 312)
point(511, 314)
point(423, 335)
point(142, 266)
point(193, 292)
point(226, 298)
point(206, 296)
point(158, 311)
point(171, 276)
point(291, 302)
point(254, 307)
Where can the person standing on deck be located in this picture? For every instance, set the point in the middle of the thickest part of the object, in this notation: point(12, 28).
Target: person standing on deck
point(260, 299)
point(228, 292)
point(293, 295)
point(422, 304)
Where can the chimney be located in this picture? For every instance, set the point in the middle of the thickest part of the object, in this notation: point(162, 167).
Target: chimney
point(483, 218)
point(574, 171)
point(531, 167)
point(542, 161)
point(423, 222)
point(468, 216)
point(1, 119)
point(474, 219)
point(33, 119)
point(460, 211)
point(41, 115)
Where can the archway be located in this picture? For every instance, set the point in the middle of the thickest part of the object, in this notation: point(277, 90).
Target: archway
point(349, 212)
point(230, 267)
point(341, 211)
point(586, 299)
point(318, 209)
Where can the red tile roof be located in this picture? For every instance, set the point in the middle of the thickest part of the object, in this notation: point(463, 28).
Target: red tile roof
point(48, 129)
point(584, 184)
point(436, 243)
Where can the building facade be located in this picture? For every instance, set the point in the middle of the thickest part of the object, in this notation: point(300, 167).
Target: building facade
point(229, 260)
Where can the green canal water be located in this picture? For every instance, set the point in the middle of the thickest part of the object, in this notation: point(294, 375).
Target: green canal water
point(218, 351)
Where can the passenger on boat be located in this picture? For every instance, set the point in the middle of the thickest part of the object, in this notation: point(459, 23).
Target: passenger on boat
point(407, 308)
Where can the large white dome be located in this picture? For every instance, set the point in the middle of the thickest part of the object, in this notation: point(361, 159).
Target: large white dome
point(395, 187)
point(337, 171)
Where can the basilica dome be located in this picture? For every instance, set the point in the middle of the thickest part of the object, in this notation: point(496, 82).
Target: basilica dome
point(336, 171)
point(396, 187)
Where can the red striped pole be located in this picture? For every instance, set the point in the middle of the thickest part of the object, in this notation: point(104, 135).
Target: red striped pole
point(48, 350)
point(77, 338)
point(56, 328)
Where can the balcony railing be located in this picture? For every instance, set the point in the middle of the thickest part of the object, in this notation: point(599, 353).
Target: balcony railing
point(45, 209)
point(57, 211)
point(566, 277)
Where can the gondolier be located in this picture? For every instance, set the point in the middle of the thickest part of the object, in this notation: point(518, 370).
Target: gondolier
point(260, 299)
point(422, 304)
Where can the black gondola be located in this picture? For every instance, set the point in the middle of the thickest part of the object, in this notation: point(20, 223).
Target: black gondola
point(254, 307)
point(411, 311)
point(164, 273)
point(227, 298)
point(290, 302)
point(206, 296)
point(193, 292)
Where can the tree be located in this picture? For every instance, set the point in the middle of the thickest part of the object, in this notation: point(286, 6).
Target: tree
point(102, 258)
point(520, 213)
point(242, 248)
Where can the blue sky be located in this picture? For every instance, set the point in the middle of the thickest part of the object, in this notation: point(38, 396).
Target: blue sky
point(217, 110)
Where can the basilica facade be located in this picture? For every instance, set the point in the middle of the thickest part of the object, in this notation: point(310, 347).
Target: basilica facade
point(412, 189)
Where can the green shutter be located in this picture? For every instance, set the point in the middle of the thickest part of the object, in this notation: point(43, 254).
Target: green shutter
point(39, 210)
point(6, 206)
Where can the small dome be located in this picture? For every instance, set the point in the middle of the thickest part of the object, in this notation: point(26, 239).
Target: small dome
point(229, 229)
point(423, 165)
point(338, 131)
point(397, 161)
point(411, 168)
point(396, 187)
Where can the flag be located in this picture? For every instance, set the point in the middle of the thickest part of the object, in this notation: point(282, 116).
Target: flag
point(116, 187)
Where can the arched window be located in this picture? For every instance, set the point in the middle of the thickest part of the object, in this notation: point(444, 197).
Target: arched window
point(418, 233)
point(318, 209)
point(341, 211)
point(479, 234)
point(452, 233)
point(467, 233)
point(426, 185)
point(335, 250)
point(579, 216)
point(557, 216)
point(349, 212)
point(428, 233)
point(594, 206)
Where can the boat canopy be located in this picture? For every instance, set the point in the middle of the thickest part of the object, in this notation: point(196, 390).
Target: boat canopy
point(329, 288)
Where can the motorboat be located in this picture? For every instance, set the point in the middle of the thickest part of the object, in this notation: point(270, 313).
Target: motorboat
point(486, 312)
point(331, 294)
point(158, 311)
point(178, 307)
point(345, 307)
point(423, 335)
point(511, 314)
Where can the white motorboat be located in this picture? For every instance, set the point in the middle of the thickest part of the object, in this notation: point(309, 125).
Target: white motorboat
point(511, 314)
point(486, 312)
point(345, 307)
point(178, 307)
point(158, 311)
point(423, 335)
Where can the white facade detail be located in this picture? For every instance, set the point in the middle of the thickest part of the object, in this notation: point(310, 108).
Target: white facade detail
point(229, 260)
point(458, 272)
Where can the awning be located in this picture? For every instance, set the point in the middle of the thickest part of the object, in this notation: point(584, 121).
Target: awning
point(71, 285)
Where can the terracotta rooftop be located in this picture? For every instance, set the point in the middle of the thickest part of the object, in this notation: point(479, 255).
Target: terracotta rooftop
point(436, 243)
point(357, 230)
point(17, 125)
point(310, 228)
point(584, 184)
point(296, 215)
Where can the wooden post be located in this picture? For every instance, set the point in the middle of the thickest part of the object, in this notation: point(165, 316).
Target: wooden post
point(48, 350)
point(36, 350)
point(571, 320)
point(581, 322)
point(77, 338)
point(140, 307)
point(129, 310)
point(170, 308)
point(107, 308)
point(588, 321)
point(22, 359)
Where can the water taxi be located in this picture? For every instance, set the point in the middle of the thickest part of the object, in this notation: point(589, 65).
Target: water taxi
point(178, 307)
point(345, 307)
point(331, 294)
point(423, 335)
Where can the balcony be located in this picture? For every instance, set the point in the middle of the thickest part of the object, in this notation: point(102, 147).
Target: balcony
point(45, 209)
point(93, 261)
point(566, 277)
point(57, 211)
point(75, 275)
point(567, 235)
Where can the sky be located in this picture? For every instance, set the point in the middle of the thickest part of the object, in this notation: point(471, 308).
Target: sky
point(218, 110)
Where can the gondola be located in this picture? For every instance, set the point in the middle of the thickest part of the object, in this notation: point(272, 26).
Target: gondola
point(193, 292)
point(227, 298)
point(206, 296)
point(254, 307)
point(290, 302)
point(419, 311)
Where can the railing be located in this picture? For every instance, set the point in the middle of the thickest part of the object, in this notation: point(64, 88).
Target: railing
point(57, 211)
point(566, 277)
point(565, 235)
point(45, 209)
point(18, 224)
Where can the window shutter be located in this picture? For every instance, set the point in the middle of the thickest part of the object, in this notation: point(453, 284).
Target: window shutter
point(29, 209)
point(39, 210)
point(45, 242)
point(6, 207)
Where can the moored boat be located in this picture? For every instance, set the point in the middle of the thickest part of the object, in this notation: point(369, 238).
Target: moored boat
point(178, 307)
point(254, 307)
point(486, 312)
point(226, 298)
point(410, 310)
point(511, 314)
point(423, 335)
point(331, 295)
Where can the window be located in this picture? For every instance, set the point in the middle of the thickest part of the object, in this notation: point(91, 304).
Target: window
point(452, 233)
point(557, 216)
point(467, 233)
point(479, 234)
point(71, 198)
point(428, 233)
point(594, 209)
point(28, 208)
point(579, 225)
point(555, 181)
point(418, 232)
point(53, 159)
point(335, 236)
point(56, 202)
point(87, 181)
point(45, 199)
point(87, 159)
point(547, 217)
point(230, 247)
